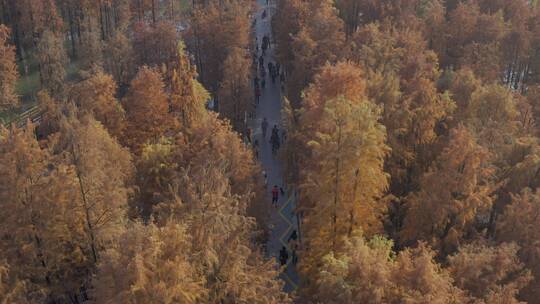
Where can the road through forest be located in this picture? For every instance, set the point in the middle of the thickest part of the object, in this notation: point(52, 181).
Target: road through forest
point(282, 220)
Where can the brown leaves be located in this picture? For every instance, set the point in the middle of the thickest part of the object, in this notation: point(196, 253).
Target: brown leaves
point(96, 95)
point(147, 110)
point(8, 71)
point(454, 195)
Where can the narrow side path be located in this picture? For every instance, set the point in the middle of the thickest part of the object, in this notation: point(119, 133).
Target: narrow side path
point(283, 222)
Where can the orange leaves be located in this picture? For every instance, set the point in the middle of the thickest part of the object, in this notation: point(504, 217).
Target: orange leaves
point(147, 110)
point(341, 160)
point(8, 71)
point(235, 93)
point(96, 95)
point(454, 194)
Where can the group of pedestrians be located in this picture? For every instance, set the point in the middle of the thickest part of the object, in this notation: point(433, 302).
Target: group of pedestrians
point(275, 140)
point(293, 245)
point(262, 66)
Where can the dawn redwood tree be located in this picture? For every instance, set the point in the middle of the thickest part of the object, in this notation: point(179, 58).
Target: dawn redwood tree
point(214, 140)
point(319, 40)
point(217, 27)
point(8, 71)
point(342, 156)
point(33, 19)
point(518, 224)
point(155, 45)
point(91, 44)
point(103, 170)
point(188, 97)
point(455, 195)
point(96, 95)
point(52, 59)
point(41, 233)
point(493, 274)
point(235, 94)
point(149, 263)
point(12, 289)
point(147, 110)
point(220, 238)
point(119, 58)
point(368, 271)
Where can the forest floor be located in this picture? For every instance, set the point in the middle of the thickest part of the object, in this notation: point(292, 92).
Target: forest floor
point(283, 220)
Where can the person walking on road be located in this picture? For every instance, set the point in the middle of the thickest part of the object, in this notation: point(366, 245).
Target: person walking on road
point(256, 148)
point(293, 244)
point(275, 196)
point(270, 68)
point(257, 94)
point(264, 126)
point(274, 140)
point(263, 83)
point(265, 176)
point(248, 135)
point(283, 256)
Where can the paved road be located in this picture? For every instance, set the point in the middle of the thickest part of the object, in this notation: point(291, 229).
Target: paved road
point(283, 221)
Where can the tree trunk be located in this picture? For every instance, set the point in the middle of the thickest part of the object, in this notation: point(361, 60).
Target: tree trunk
point(336, 189)
point(85, 204)
point(351, 211)
point(153, 12)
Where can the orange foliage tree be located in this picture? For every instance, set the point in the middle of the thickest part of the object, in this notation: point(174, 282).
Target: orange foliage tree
point(8, 71)
point(147, 110)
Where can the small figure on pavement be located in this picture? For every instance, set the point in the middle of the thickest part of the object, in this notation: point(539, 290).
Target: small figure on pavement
point(257, 94)
point(261, 61)
point(293, 244)
point(248, 134)
point(283, 256)
point(274, 140)
point(263, 83)
point(275, 130)
point(264, 126)
point(293, 236)
point(275, 196)
point(256, 148)
point(270, 67)
point(265, 178)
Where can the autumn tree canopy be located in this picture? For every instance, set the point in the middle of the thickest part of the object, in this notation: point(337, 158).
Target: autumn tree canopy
point(409, 159)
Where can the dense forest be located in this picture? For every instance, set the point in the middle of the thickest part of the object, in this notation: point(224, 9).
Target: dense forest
point(410, 135)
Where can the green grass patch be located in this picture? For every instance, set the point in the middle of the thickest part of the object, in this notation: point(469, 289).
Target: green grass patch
point(28, 86)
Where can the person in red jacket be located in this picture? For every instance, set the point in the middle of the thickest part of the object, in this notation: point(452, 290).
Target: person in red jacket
point(257, 95)
point(275, 195)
